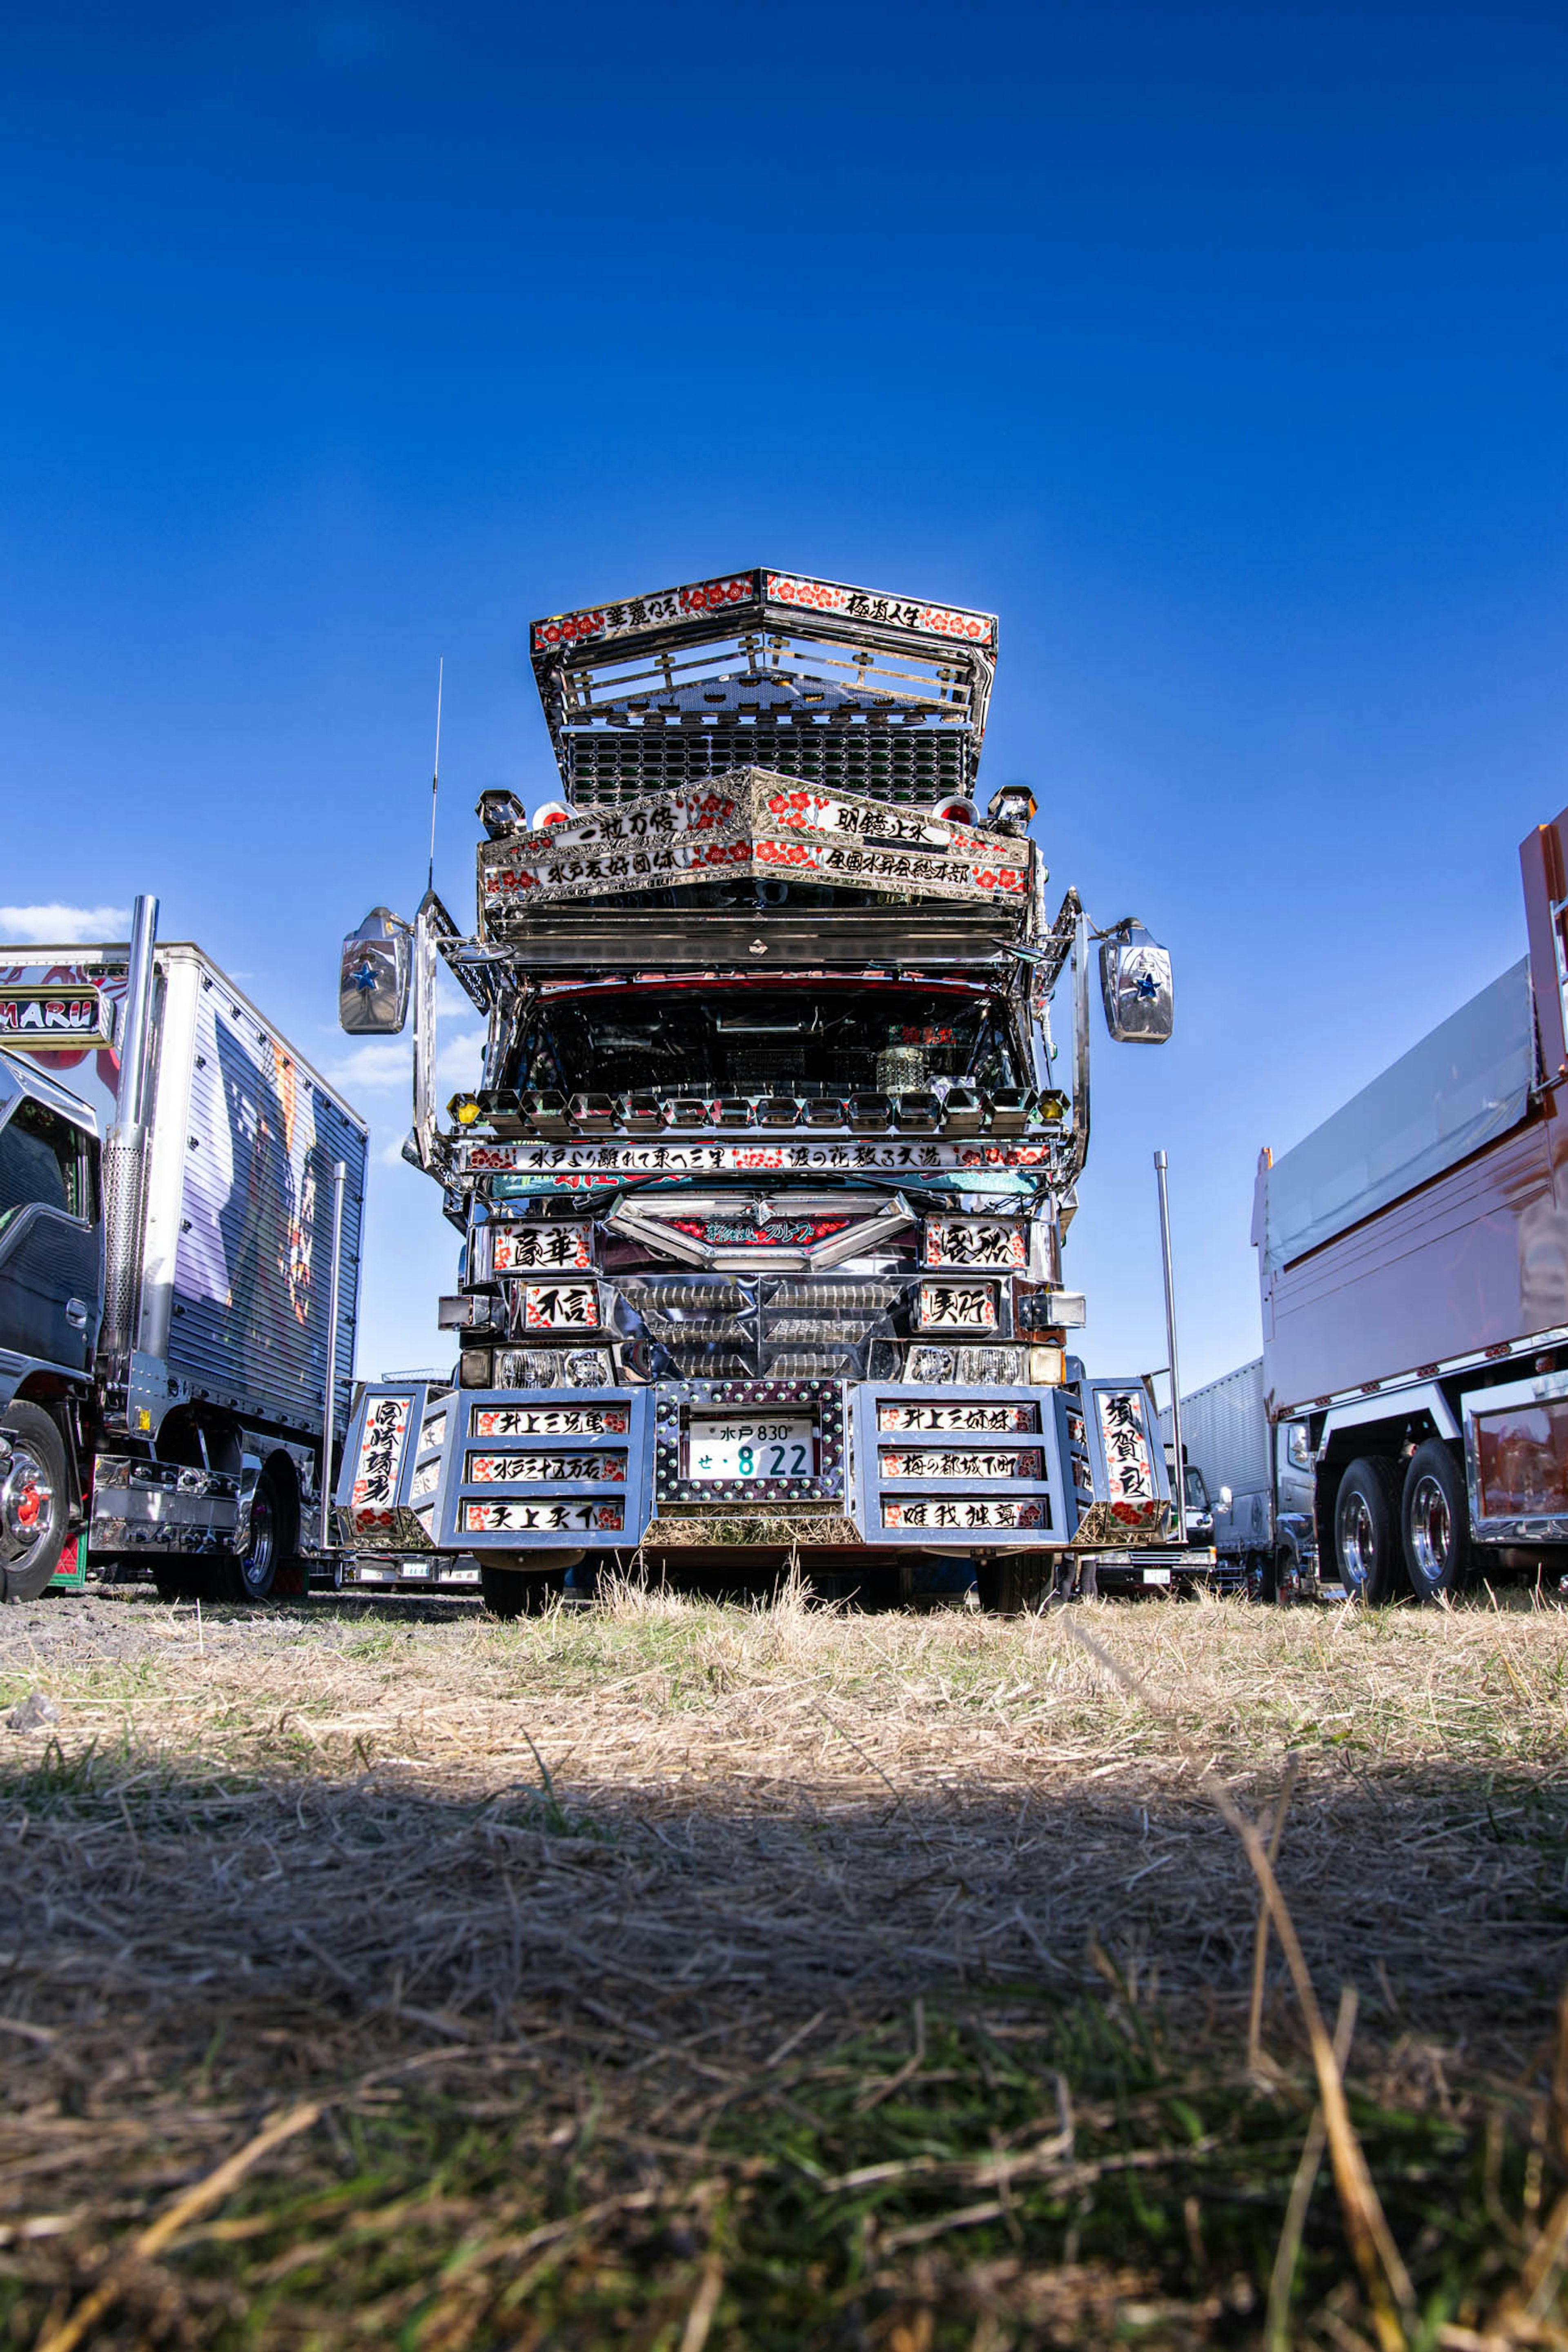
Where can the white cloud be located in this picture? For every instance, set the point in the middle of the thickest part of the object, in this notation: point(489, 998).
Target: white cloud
point(52, 925)
point(459, 1058)
point(379, 1062)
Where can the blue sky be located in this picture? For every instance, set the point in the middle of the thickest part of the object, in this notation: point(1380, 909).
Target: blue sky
point(1221, 351)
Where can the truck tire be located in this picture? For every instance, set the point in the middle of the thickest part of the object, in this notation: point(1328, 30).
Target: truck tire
point(518, 1593)
point(35, 1503)
point(1434, 1521)
point(1367, 1548)
point(251, 1576)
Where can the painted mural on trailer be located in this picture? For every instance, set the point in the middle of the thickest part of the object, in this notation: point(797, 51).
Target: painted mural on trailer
point(254, 1263)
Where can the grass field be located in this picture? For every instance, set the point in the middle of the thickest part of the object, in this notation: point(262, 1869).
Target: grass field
point(683, 1975)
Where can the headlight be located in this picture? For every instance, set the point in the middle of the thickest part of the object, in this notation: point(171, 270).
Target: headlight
point(931, 1367)
point(585, 1368)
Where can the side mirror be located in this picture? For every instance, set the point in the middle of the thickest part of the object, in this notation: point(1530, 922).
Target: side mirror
point(1135, 984)
point(1226, 1498)
point(373, 976)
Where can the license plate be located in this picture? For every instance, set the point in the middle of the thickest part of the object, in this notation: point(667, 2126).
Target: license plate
point(732, 1450)
point(970, 1242)
point(956, 1512)
point(563, 1249)
point(935, 1462)
point(1156, 1576)
point(540, 1519)
point(544, 1469)
point(983, 1420)
point(550, 1421)
point(560, 1307)
point(958, 1307)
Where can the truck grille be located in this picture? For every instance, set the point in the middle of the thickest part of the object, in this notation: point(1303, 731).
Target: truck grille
point(778, 1328)
point(917, 766)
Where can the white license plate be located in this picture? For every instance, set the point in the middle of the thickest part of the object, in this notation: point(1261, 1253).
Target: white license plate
point(958, 1307)
point(544, 1469)
point(1156, 1576)
point(732, 1450)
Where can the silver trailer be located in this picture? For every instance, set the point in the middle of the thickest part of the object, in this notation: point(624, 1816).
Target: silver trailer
point(232, 1194)
point(1251, 1482)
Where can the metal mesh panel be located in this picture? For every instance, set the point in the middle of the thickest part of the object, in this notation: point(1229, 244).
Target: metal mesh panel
point(120, 1175)
point(913, 765)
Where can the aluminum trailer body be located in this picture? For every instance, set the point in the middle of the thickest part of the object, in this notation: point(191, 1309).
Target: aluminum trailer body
point(1413, 1266)
point(763, 1183)
point(223, 1238)
point(1252, 1480)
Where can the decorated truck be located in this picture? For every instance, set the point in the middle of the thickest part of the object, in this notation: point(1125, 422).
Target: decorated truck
point(763, 1184)
point(180, 1197)
point(1413, 1251)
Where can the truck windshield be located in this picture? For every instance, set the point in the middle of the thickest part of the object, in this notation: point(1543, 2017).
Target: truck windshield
point(752, 1041)
point(42, 1163)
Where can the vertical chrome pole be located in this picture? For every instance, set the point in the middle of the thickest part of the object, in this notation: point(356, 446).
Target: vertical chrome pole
point(123, 1177)
point(328, 1416)
point(1179, 1474)
point(131, 1105)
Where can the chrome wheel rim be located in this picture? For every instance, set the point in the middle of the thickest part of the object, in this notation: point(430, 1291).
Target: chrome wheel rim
point(256, 1567)
point(1431, 1529)
point(27, 1504)
point(1358, 1540)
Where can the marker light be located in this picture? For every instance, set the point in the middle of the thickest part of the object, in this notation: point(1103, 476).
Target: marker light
point(466, 1110)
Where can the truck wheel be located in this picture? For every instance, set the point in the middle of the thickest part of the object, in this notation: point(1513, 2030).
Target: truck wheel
point(35, 1503)
point(1435, 1522)
point(1367, 1529)
point(250, 1577)
point(511, 1592)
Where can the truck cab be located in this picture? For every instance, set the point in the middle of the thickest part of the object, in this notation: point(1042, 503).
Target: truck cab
point(52, 1302)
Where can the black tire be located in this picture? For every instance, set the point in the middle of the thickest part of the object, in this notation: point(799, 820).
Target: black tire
point(35, 1503)
point(516, 1592)
point(250, 1576)
point(1367, 1549)
point(1435, 1522)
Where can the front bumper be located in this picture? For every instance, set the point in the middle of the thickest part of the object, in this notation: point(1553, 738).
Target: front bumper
point(488, 1471)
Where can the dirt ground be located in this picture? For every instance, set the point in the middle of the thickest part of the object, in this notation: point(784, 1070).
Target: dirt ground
point(679, 1975)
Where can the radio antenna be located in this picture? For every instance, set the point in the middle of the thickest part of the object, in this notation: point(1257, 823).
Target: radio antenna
point(436, 771)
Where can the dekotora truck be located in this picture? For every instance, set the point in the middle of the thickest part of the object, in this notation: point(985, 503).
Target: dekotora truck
point(763, 1184)
point(180, 1207)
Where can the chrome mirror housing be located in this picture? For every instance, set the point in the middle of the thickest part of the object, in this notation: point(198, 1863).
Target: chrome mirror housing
point(374, 977)
point(1136, 986)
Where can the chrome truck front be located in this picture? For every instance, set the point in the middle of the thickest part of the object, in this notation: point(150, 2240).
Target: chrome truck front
point(867, 1463)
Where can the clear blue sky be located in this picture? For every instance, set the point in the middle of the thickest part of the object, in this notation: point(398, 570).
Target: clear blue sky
point(1221, 351)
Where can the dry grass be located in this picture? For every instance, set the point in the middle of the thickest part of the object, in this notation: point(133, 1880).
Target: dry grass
point(682, 1974)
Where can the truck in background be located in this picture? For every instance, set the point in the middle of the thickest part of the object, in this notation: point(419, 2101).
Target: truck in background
point(1413, 1255)
point(1249, 1485)
point(179, 1270)
point(763, 1182)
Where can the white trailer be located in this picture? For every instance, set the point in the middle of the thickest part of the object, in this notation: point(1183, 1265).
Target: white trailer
point(231, 1196)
